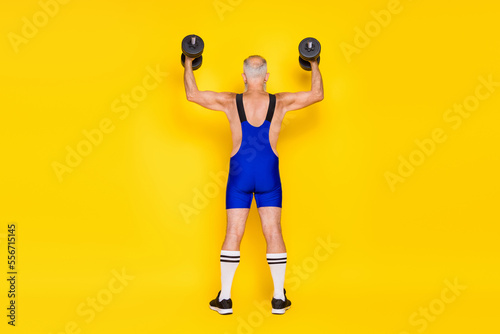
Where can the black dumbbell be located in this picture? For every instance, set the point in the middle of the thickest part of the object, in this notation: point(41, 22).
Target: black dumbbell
point(309, 50)
point(192, 47)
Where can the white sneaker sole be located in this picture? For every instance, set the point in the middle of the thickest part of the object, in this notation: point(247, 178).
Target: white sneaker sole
point(222, 311)
point(280, 310)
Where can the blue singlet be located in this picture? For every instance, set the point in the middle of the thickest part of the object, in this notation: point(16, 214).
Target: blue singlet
point(254, 169)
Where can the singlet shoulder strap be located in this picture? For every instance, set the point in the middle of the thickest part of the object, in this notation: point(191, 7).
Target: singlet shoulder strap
point(241, 109)
point(272, 105)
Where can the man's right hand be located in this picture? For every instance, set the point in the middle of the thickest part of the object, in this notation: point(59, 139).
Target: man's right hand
point(188, 61)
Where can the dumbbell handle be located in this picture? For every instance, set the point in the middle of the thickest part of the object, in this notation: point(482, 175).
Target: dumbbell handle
point(193, 40)
point(310, 45)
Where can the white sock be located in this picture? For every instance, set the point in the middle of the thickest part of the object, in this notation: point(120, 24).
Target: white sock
point(277, 263)
point(229, 261)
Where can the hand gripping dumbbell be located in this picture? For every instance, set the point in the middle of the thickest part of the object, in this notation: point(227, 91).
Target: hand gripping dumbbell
point(309, 50)
point(192, 47)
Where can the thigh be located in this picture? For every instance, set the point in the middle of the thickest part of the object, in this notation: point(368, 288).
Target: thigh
point(236, 220)
point(270, 217)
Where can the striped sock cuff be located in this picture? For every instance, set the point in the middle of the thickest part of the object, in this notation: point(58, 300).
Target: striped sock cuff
point(230, 256)
point(276, 258)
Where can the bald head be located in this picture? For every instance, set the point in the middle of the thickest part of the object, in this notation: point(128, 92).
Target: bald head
point(255, 67)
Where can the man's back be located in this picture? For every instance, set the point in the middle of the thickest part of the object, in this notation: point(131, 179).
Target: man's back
point(255, 105)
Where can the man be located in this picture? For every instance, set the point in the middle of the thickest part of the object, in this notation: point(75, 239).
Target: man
point(255, 119)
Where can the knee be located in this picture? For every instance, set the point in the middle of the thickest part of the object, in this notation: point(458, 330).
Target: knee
point(272, 234)
point(234, 235)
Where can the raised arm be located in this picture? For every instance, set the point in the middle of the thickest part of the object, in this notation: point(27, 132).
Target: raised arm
point(208, 99)
point(299, 100)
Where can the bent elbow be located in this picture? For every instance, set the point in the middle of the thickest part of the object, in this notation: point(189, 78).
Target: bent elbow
point(316, 95)
point(190, 97)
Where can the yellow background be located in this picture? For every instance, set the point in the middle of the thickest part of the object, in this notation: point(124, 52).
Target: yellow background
point(121, 207)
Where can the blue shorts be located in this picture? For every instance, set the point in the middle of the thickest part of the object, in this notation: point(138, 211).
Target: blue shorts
point(246, 179)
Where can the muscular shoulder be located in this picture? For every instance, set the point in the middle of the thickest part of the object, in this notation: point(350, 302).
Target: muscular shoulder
point(227, 96)
point(282, 101)
point(297, 100)
point(282, 96)
point(213, 100)
point(227, 100)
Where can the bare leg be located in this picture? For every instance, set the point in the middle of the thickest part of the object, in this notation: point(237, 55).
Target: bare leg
point(230, 254)
point(270, 218)
point(276, 254)
point(236, 221)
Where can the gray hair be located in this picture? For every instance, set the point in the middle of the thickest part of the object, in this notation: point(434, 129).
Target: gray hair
point(255, 67)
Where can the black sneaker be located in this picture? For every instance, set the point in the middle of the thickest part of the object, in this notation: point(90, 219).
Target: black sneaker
point(280, 306)
point(224, 306)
